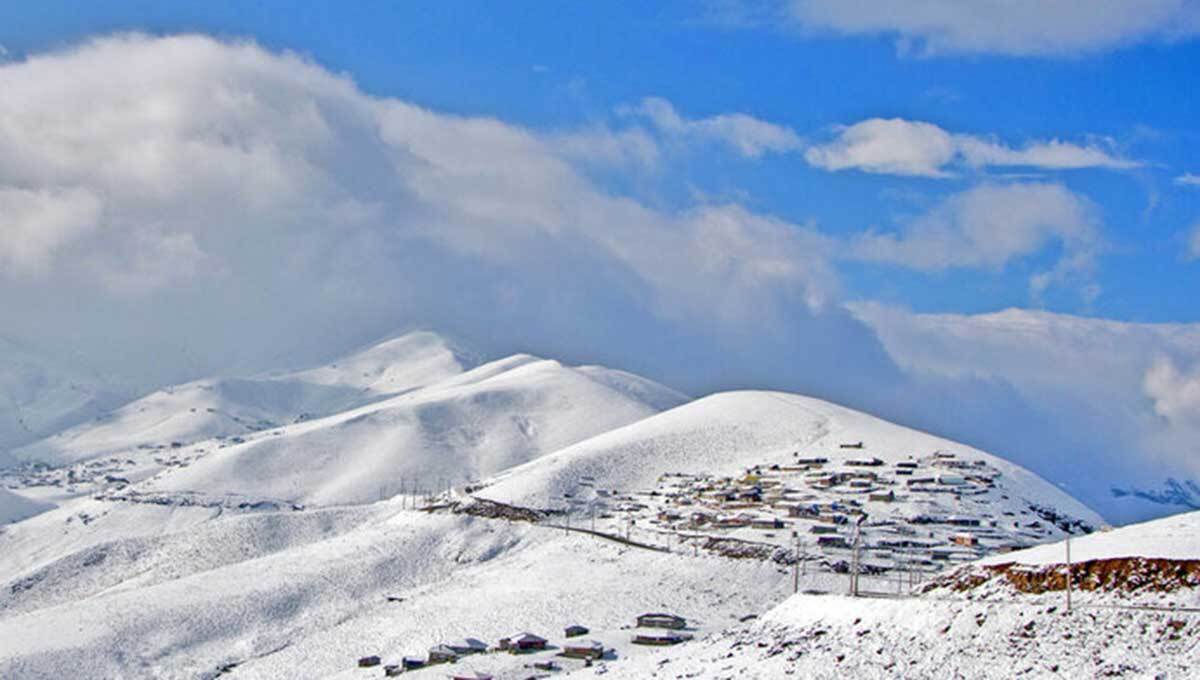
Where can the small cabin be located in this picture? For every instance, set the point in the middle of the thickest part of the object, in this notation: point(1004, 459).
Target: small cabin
point(467, 646)
point(442, 654)
point(525, 642)
point(368, 661)
point(964, 539)
point(410, 663)
point(584, 649)
point(660, 620)
point(660, 639)
point(575, 630)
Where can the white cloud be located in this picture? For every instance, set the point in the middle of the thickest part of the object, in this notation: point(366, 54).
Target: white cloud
point(746, 134)
point(35, 224)
point(1011, 27)
point(901, 147)
point(887, 146)
point(1100, 399)
point(1188, 179)
point(1175, 393)
point(1193, 242)
point(218, 183)
point(989, 226)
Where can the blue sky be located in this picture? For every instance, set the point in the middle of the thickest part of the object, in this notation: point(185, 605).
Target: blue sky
point(812, 195)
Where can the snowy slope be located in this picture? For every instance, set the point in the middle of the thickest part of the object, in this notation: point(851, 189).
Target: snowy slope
point(40, 394)
point(993, 632)
point(303, 594)
point(471, 425)
point(15, 507)
point(229, 407)
point(726, 433)
point(1173, 538)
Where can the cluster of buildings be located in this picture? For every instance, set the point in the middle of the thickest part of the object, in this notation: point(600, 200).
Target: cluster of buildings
point(913, 514)
point(656, 629)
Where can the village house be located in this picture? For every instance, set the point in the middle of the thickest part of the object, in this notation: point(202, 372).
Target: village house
point(584, 649)
point(767, 523)
point(882, 497)
point(525, 642)
point(964, 539)
point(368, 661)
point(575, 630)
point(832, 542)
point(660, 639)
point(660, 620)
point(467, 646)
point(864, 462)
point(442, 654)
point(409, 663)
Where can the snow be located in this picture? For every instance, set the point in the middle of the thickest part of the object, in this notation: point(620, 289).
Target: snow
point(836, 637)
point(227, 407)
point(40, 394)
point(1176, 538)
point(727, 432)
point(472, 425)
point(14, 507)
point(298, 550)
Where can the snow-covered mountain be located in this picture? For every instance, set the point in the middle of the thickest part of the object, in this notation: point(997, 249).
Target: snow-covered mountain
point(481, 422)
point(232, 407)
point(41, 394)
point(569, 495)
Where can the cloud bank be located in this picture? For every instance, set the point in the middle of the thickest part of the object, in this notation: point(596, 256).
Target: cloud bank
point(894, 146)
point(1041, 28)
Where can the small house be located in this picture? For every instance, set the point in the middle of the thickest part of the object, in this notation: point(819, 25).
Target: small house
point(575, 630)
point(368, 661)
point(849, 445)
point(409, 663)
point(767, 523)
point(392, 670)
point(660, 620)
point(584, 649)
point(829, 541)
point(882, 497)
point(467, 646)
point(964, 539)
point(660, 639)
point(525, 642)
point(823, 529)
point(442, 654)
point(864, 462)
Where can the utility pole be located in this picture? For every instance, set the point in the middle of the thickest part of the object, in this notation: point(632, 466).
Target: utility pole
point(1068, 572)
point(795, 562)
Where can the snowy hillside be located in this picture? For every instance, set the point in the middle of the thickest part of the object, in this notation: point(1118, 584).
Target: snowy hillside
point(231, 407)
point(293, 550)
point(725, 433)
point(1147, 624)
point(41, 394)
point(15, 507)
point(1173, 538)
point(478, 423)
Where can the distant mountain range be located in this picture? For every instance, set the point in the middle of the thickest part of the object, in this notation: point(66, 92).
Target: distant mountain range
point(1177, 493)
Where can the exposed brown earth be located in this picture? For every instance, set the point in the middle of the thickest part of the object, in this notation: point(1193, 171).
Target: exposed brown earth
point(1125, 574)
